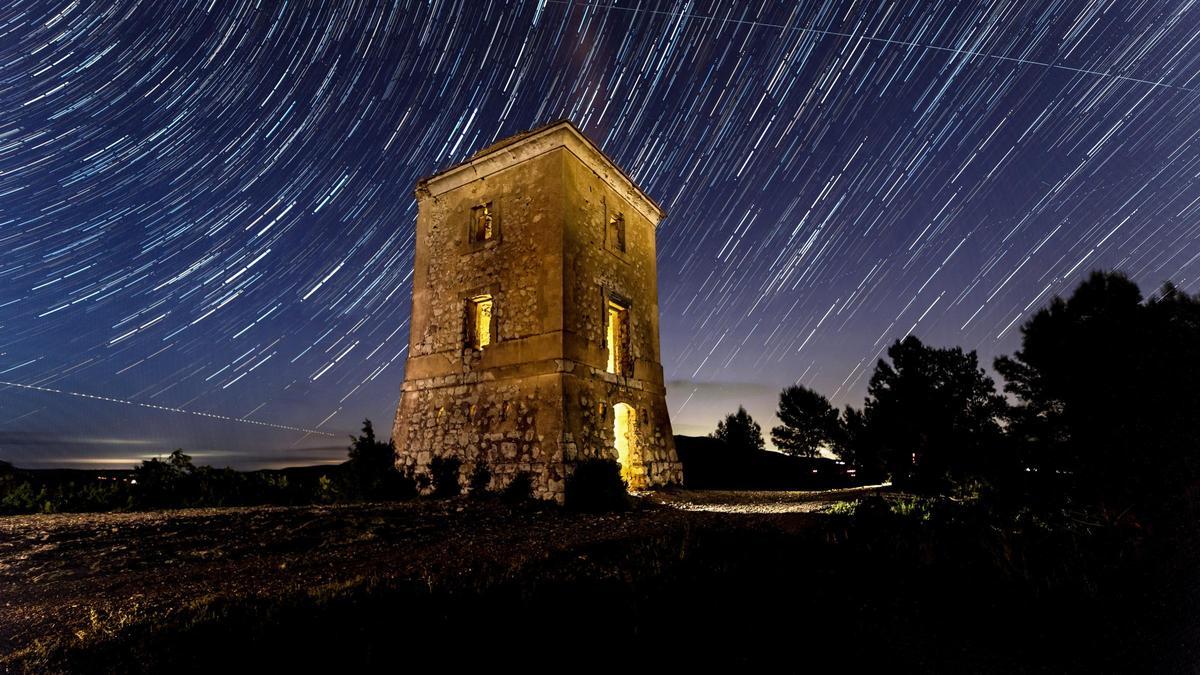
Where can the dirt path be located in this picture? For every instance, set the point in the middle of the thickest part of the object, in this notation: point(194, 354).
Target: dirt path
point(760, 501)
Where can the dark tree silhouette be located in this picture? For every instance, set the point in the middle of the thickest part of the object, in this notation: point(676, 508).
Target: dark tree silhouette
point(932, 414)
point(161, 483)
point(368, 453)
point(372, 466)
point(446, 474)
point(809, 421)
point(596, 485)
point(740, 432)
point(855, 446)
point(1109, 389)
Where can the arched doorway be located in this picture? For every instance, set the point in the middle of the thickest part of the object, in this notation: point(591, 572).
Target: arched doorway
point(625, 439)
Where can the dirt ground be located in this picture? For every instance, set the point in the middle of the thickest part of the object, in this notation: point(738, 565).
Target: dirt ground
point(79, 575)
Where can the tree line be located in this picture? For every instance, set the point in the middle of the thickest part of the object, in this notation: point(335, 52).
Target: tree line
point(1100, 407)
point(176, 481)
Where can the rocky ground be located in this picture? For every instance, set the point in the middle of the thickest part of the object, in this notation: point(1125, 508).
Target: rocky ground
point(685, 579)
point(67, 577)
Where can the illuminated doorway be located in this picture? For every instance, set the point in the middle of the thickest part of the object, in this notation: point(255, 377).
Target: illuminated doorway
point(625, 439)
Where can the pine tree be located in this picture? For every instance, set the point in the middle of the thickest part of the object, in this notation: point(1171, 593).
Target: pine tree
point(809, 422)
point(740, 432)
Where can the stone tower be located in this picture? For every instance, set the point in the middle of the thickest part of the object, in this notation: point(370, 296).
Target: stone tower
point(534, 334)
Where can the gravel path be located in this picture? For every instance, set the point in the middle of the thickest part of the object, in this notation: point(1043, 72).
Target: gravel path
point(760, 501)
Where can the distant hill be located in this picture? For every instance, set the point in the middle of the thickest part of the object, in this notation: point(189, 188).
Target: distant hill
point(64, 475)
point(709, 464)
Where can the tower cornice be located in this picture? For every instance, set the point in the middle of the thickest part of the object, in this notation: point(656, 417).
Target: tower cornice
point(527, 145)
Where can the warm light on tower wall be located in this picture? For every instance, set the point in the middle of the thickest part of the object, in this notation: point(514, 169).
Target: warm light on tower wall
point(534, 314)
point(616, 337)
point(624, 426)
point(481, 320)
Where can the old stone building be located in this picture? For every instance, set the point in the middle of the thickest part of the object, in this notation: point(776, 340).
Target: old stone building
point(534, 334)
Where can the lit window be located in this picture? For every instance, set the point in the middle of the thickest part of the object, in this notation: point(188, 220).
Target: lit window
point(481, 321)
point(617, 338)
point(483, 226)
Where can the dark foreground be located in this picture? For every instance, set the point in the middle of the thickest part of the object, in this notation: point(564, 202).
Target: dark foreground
point(704, 580)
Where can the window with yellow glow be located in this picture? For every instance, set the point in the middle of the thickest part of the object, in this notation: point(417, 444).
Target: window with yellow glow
point(617, 338)
point(481, 321)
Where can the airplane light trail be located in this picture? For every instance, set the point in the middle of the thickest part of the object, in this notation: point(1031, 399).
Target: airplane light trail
point(164, 408)
point(872, 38)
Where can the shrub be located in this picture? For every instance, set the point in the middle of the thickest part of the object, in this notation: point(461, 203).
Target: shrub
point(875, 510)
point(596, 485)
point(444, 471)
point(481, 477)
point(326, 490)
point(19, 496)
point(519, 489)
point(165, 483)
point(842, 509)
point(422, 481)
point(398, 486)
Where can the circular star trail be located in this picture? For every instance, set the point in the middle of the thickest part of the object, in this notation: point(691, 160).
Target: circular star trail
point(206, 207)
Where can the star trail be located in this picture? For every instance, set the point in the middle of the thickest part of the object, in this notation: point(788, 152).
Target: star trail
point(206, 212)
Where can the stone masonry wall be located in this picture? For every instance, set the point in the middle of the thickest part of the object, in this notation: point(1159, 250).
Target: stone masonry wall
point(596, 270)
point(538, 399)
point(589, 417)
point(513, 267)
point(510, 425)
point(501, 405)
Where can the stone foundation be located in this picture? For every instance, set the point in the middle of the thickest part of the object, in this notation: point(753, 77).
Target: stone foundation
point(537, 424)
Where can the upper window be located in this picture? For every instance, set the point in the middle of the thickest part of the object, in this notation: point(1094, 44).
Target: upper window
point(616, 232)
point(479, 310)
point(483, 223)
point(617, 338)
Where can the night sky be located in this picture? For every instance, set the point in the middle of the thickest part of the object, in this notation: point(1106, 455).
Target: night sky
point(206, 210)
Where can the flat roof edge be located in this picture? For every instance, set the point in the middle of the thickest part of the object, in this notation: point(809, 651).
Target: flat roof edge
point(507, 152)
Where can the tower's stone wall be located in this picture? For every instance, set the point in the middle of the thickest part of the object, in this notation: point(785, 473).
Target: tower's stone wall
point(511, 425)
point(538, 398)
point(521, 266)
point(596, 270)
